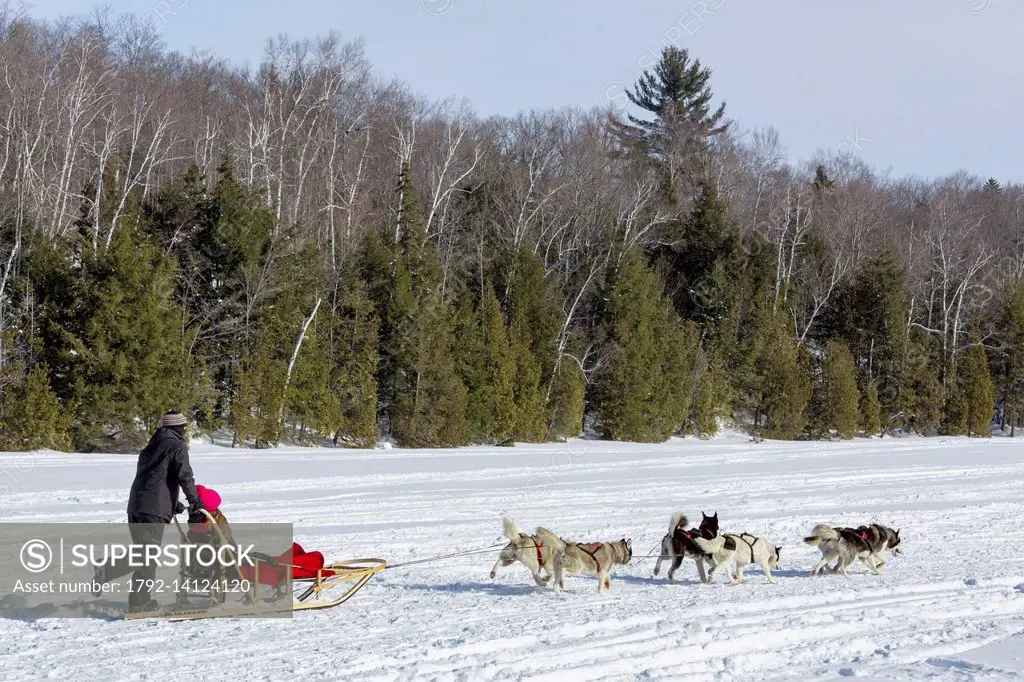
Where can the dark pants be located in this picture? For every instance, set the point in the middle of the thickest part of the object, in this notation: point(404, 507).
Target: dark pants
point(145, 529)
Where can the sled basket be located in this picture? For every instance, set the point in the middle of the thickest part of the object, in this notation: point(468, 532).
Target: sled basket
point(313, 585)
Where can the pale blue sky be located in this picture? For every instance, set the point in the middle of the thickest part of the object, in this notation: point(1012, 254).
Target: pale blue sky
point(921, 86)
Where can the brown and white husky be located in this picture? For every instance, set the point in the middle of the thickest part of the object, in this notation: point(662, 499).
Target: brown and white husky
point(587, 558)
point(529, 550)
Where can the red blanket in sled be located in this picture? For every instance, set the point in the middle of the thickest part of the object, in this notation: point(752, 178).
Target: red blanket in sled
point(305, 565)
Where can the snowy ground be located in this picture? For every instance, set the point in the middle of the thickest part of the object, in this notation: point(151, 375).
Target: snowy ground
point(951, 608)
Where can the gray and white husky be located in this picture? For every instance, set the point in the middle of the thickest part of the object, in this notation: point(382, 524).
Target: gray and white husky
point(529, 550)
point(592, 558)
point(744, 549)
point(844, 544)
point(880, 539)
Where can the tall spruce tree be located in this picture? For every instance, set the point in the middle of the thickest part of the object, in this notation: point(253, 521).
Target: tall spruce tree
point(870, 314)
point(711, 396)
point(223, 242)
point(31, 417)
point(698, 259)
point(976, 388)
point(922, 398)
point(1009, 365)
point(870, 410)
point(646, 389)
point(355, 362)
point(114, 338)
point(549, 386)
point(782, 385)
point(258, 388)
point(840, 395)
point(427, 398)
point(489, 371)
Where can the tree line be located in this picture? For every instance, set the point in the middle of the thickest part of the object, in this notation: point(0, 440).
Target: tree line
point(304, 252)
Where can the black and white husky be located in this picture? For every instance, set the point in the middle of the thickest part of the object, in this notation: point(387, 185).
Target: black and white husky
point(678, 543)
point(844, 544)
point(866, 543)
point(744, 549)
point(880, 539)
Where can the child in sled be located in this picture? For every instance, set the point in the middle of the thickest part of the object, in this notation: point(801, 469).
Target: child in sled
point(303, 564)
point(199, 527)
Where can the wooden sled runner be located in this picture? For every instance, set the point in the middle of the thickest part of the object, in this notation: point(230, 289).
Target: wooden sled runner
point(298, 579)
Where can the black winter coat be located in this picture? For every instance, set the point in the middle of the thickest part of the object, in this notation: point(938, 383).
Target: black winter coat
point(163, 468)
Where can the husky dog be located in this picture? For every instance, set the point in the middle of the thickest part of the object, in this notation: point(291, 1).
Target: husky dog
point(880, 539)
point(744, 549)
point(845, 543)
point(595, 558)
point(529, 550)
point(678, 543)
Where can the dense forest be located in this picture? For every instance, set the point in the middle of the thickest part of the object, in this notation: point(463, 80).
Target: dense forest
point(306, 253)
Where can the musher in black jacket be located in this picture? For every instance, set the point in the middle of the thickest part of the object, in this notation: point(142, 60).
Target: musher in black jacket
point(163, 468)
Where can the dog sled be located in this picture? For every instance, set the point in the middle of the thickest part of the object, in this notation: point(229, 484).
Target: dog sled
point(293, 581)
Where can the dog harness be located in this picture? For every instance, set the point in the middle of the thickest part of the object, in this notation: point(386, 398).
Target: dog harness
point(748, 543)
point(689, 535)
point(540, 557)
point(592, 555)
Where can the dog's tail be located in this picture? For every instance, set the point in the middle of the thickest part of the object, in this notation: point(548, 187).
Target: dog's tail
point(551, 539)
point(509, 527)
point(820, 533)
point(678, 520)
point(710, 546)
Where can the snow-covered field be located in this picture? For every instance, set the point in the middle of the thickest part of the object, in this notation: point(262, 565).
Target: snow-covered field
point(951, 608)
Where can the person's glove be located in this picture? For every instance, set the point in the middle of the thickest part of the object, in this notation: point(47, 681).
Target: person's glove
point(178, 507)
point(195, 514)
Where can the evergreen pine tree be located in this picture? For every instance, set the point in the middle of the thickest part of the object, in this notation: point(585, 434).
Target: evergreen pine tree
point(711, 395)
point(978, 393)
point(355, 359)
point(646, 390)
point(116, 341)
point(870, 314)
point(678, 95)
point(428, 399)
point(922, 399)
point(567, 402)
point(841, 397)
point(259, 389)
point(1009, 365)
point(312, 408)
point(222, 241)
point(956, 422)
point(31, 417)
point(699, 260)
point(548, 385)
point(783, 387)
point(490, 373)
point(871, 410)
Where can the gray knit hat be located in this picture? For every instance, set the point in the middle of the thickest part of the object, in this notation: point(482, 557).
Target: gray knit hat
point(172, 418)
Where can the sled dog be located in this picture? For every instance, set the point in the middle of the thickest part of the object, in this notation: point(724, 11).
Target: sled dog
point(678, 543)
point(744, 549)
point(880, 539)
point(846, 544)
point(594, 558)
point(529, 550)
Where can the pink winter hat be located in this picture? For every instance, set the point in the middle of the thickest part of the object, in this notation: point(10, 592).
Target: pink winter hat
point(209, 497)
